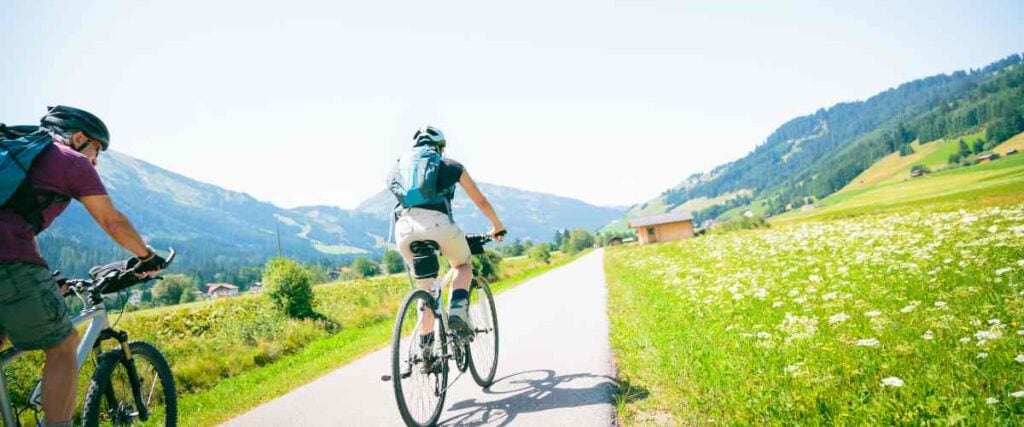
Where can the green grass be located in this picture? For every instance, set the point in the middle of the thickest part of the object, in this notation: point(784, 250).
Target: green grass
point(805, 323)
point(994, 183)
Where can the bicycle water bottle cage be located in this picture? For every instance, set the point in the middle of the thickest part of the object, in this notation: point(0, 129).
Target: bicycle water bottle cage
point(424, 259)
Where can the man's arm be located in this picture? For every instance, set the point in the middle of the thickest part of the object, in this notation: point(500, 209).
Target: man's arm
point(480, 201)
point(115, 224)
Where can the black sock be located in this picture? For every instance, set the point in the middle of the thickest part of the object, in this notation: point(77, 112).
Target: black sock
point(427, 339)
point(459, 294)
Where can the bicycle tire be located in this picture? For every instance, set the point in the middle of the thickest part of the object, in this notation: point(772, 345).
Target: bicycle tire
point(100, 389)
point(397, 363)
point(486, 325)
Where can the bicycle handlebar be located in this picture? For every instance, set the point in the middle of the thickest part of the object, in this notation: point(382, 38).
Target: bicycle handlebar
point(477, 241)
point(110, 278)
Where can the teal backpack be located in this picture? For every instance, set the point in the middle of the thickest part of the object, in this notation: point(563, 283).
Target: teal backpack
point(413, 180)
point(19, 147)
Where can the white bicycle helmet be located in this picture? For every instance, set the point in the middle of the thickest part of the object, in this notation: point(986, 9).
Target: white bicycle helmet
point(429, 135)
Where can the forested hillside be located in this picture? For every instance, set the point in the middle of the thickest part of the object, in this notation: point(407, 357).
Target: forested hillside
point(812, 156)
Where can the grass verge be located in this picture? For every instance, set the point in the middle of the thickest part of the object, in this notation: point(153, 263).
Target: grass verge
point(912, 317)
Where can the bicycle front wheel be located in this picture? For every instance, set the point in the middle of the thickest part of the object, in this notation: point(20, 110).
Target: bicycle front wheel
point(483, 350)
point(126, 392)
point(419, 373)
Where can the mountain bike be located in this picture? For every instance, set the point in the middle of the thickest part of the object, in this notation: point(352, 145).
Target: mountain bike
point(132, 383)
point(420, 372)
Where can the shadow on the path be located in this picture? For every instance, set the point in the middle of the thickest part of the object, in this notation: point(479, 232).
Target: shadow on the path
point(532, 391)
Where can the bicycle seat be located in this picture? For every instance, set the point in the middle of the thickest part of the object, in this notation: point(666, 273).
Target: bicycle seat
point(425, 247)
point(424, 258)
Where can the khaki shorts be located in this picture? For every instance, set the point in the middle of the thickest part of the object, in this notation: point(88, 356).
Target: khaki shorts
point(425, 224)
point(32, 311)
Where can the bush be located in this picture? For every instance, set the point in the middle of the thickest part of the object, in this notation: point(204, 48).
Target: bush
point(578, 240)
point(172, 289)
point(540, 252)
point(289, 286)
point(363, 267)
point(487, 265)
point(392, 262)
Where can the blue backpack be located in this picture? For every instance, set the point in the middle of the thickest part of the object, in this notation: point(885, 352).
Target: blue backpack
point(19, 147)
point(413, 180)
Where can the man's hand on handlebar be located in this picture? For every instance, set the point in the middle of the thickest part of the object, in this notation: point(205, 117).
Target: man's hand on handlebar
point(150, 265)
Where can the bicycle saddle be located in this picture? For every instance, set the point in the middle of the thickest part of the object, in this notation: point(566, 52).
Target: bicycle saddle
point(424, 258)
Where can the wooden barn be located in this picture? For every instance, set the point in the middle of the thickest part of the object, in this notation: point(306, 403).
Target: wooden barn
point(663, 228)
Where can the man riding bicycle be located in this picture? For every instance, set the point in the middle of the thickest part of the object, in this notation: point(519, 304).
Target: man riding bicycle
point(424, 184)
point(32, 311)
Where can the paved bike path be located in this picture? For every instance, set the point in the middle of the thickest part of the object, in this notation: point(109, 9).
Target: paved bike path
point(554, 367)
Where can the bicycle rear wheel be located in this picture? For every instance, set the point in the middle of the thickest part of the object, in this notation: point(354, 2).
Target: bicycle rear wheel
point(419, 376)
point(118, 397)
point(483, 351)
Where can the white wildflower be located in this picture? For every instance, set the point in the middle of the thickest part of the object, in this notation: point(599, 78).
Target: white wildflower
point(983, 355)
point(777, 304)
point(908, 309)
point(794, 369)
point(799, 327)
point(1017, 394)
point(989, 335)
point(940, 304)
point(763, 335)
point(993, 229)
point(994, 322)
point(1019, 358)
point(814, 278)
point(867, 342)
point(1003, 271)
point(873, 313)
point(838, 318)
point(895, 382)
point(928, 336)
point(965, 339)
point(991, 401)
point(829, 296)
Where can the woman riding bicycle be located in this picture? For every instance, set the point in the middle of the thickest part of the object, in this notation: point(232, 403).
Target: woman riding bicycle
point(424, 184)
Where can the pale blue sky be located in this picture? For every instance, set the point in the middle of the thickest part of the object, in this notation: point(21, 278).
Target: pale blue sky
point(612, 102)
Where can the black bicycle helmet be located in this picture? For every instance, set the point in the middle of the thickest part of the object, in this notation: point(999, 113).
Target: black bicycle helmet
point(429, 135)
point(71, 119)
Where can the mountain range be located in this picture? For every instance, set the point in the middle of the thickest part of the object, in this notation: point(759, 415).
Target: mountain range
point(225, 230)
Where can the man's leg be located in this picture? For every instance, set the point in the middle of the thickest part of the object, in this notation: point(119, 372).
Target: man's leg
point(60, 380)
point(35, 317)
point(455, 248)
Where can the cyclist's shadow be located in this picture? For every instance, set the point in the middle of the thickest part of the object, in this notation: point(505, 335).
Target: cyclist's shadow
point(532, 391)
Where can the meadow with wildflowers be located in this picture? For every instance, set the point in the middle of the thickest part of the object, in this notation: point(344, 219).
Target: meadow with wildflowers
point(902, 317)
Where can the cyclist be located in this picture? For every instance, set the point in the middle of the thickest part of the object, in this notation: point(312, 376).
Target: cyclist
point(430, 218)
point(32, 311)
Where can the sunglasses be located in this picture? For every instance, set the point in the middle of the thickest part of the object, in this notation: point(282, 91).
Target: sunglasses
point(91, 143)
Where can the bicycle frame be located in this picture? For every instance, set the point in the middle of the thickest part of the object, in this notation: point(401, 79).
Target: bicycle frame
point(96, 315)
point(436, 287)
